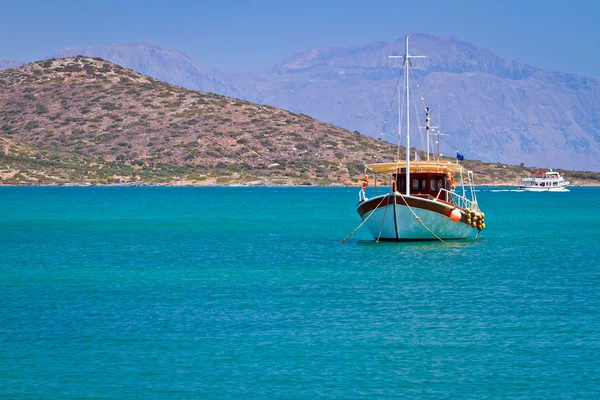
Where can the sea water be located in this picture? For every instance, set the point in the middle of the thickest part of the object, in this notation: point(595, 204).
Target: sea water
point(151, 293)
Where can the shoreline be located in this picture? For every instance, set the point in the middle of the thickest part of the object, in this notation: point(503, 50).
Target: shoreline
point(176, 185)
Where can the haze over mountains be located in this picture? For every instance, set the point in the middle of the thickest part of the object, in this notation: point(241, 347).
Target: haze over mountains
point(5, 64)
point(493, 109)
point(157, 61)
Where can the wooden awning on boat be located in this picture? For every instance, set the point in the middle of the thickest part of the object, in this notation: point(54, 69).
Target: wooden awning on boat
point(417, 166)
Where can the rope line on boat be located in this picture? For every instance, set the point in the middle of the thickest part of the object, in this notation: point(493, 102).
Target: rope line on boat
point(420, 221)
point(365, 220)
point(414, 103)
point(412, 70)
point(391, 104)
point(400, 122)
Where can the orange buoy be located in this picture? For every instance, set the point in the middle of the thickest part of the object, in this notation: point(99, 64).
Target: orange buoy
point(455, 215)
point(365, 182)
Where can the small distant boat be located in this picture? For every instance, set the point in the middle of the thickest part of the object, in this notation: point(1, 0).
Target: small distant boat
point(425, 200)
point(544, 181)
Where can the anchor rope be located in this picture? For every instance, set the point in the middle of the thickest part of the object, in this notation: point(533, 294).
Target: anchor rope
point(365, 220)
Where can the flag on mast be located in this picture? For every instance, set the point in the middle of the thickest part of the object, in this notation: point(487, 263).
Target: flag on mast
point(459, 156)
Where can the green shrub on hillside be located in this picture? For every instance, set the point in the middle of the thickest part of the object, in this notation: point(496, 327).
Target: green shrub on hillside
point(32, 125)
point(111, 106)
point(8, 129)
point(41, 109)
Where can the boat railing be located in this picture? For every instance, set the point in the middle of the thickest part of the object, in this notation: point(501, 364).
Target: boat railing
point(457, 199)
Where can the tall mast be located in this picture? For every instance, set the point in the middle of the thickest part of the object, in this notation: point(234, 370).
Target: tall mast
point(427, 129)
point(406, 58)
point(406, 61)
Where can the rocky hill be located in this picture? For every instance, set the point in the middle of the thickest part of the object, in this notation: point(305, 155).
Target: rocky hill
point(85, 121)
point(494, 110)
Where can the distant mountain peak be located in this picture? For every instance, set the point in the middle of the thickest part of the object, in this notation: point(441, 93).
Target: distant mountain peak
point(442, 54)
point(115, 47)
point(149, 43)
point(156, 60)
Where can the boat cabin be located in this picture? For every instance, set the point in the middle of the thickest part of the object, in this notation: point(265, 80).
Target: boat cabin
point(424, 184)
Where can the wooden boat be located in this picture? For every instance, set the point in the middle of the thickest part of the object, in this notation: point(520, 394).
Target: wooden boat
point(421, 200)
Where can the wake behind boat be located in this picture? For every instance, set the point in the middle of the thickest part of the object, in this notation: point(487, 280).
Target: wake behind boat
point(544, 181)
point(425, 200)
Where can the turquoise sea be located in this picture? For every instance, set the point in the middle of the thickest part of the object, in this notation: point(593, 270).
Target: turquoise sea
point(247, 293)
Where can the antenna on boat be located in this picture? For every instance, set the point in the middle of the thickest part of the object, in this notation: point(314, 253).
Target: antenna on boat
point(439, 133)
point(438, 143)
point(406, 58)
point(428, 129)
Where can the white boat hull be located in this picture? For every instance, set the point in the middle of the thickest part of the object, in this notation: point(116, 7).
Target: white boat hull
point(544, 189)
point(549, 181)
point(396, 222)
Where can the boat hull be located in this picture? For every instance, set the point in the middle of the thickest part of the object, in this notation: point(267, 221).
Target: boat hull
point(391, 218)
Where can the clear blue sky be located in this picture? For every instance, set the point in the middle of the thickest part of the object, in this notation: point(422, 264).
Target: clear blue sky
point(244, 35)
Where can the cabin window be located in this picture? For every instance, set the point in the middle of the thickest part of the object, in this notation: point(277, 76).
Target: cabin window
point(435, 184)
point(415, 184)
point(419, 184)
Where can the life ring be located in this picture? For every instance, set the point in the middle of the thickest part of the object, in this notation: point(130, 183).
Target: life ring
point(451, 180)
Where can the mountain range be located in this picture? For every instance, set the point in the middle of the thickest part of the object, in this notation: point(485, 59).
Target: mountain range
point(494, 110)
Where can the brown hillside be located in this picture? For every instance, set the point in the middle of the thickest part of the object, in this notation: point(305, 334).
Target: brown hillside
point(84, 120)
